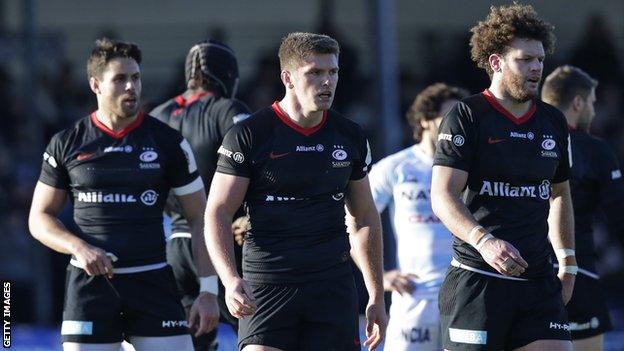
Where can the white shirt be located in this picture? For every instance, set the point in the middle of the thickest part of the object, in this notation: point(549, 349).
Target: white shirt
point(402, 181)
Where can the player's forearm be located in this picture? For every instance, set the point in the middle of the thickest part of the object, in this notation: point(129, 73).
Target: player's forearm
point(49, 230)
point(366, 250)
point(220, 243)
point(561, 221)
point(200, 252)
point(449, 208)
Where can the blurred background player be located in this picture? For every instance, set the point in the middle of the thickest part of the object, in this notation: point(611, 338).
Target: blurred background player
point(596, 184)
point(500, 185)
point(203, 114)
point(402, 182)
point(118, 165)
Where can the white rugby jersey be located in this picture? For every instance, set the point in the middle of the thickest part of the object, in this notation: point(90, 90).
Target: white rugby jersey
point(402, 181)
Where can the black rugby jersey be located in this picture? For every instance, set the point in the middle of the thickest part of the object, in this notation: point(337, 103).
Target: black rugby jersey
point(512, 163)
point(203, 120)
point(119, 183)
point(295, 200)
point(596, 183)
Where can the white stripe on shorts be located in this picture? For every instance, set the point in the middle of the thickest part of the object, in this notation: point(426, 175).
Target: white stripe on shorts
point(126, 270)
point(457, 264)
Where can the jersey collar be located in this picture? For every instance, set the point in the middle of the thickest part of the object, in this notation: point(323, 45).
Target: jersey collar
point(289, 122)
point(500, 108)
point(122, 132)
point(182, 102)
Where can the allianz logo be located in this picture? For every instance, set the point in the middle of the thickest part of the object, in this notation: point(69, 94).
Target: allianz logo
point(503, 189)
point(98, 196)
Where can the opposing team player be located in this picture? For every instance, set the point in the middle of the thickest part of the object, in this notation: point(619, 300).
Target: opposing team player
point(500, 185)
point(118, 165)
point(595, 183)
point(203, 114)
point(402, 182)
point(296, 164)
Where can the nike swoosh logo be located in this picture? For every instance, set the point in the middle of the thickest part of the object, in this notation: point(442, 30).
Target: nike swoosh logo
point(83, 156)
point(494, 141)
point(273, 155)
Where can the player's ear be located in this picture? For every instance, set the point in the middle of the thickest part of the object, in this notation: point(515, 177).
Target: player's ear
point(94, 84)
point(577, 103)
point(286, 79)
point(496, 61)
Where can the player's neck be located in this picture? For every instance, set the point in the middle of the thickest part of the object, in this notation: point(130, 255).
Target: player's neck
point(113, 121)
point(427, 144)
point(294, 111)
point(517, 109)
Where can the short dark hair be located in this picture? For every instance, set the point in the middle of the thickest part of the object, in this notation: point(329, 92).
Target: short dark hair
point(107, 49)
point(427, 104)
point(502, 26)
point(564, 83)
point(297, 46)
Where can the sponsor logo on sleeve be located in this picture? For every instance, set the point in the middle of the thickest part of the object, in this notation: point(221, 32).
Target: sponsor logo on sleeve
point(77, 328)
point(50, 159)
point(238, 157)
point(457, 139)
point(616, 174)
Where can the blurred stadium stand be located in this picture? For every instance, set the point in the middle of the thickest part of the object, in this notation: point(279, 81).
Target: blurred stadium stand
point(43, 88)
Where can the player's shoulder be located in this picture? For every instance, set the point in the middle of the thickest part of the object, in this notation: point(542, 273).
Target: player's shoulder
point(163, 110)
point(551, 111)
point(344, 125)
point(79, 127)
point(469, 107)
point(160, 128)
point(596, 143)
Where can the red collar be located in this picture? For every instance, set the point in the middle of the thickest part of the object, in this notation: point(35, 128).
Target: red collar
point(289, 122)
point(182, 102)
point(120, 133)
point(500, 108)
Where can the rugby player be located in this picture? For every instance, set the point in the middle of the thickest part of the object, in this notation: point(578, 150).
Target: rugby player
point(596, 184)
point(402, 182)
point(296, 164)
point(202, 114)
point(117, 165)
point(500, 185)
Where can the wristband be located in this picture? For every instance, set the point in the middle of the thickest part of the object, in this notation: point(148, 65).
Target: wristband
point(568, 269)
point(482, 241)
point(209, 284)
point(563, 253)
point(474, 237)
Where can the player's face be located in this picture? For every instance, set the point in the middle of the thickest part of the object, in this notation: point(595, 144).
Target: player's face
point(315, 81)
point(522, 69)
point(119, 89)
point(587, 113)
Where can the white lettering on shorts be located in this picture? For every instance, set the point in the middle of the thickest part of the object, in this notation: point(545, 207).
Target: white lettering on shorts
point(467, 336)
point(77, 328)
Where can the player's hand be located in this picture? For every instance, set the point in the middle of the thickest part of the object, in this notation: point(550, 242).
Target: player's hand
point(239, 299)
point(239, 227)
point(204, 314)
point(94, 260)
point(503, 257)
point(376, 323)
point(567, 286)
point(394, 280)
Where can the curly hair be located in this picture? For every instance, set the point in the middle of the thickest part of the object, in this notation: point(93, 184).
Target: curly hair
point(502, 26)
point(427, 105)
point(107, 49)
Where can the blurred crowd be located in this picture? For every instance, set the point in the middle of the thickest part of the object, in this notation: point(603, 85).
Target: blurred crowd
point(61, 96)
